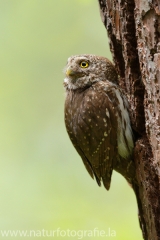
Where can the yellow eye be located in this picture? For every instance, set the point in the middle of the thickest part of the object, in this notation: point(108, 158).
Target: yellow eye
point(84, 64)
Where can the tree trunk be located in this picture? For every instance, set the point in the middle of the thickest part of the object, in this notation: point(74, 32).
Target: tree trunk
point(133, 28)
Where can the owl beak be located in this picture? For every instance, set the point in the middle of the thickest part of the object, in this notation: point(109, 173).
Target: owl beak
point(70, 72)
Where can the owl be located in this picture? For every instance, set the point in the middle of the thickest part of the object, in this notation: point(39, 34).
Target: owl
point(97, 117)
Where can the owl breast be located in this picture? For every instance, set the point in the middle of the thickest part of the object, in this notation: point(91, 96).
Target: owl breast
point(87, 119)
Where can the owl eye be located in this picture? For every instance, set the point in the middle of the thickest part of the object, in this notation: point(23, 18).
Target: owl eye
point(84, 64)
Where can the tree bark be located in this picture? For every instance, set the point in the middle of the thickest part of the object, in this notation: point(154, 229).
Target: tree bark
point(133, 28)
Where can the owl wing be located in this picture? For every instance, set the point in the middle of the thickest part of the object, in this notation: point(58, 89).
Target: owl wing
point(97, 139)
point(103, 140)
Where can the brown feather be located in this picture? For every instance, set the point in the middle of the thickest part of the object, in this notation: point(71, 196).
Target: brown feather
point(97, 119)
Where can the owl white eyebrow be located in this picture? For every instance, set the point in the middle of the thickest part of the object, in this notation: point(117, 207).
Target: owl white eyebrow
point(83, 59)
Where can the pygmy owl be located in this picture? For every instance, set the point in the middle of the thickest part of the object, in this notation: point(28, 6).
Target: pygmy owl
point(97, 117)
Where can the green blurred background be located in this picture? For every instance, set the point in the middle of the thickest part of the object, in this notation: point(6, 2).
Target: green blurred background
point(43, 183)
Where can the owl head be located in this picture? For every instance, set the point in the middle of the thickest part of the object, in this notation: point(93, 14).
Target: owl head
point(82, 71)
